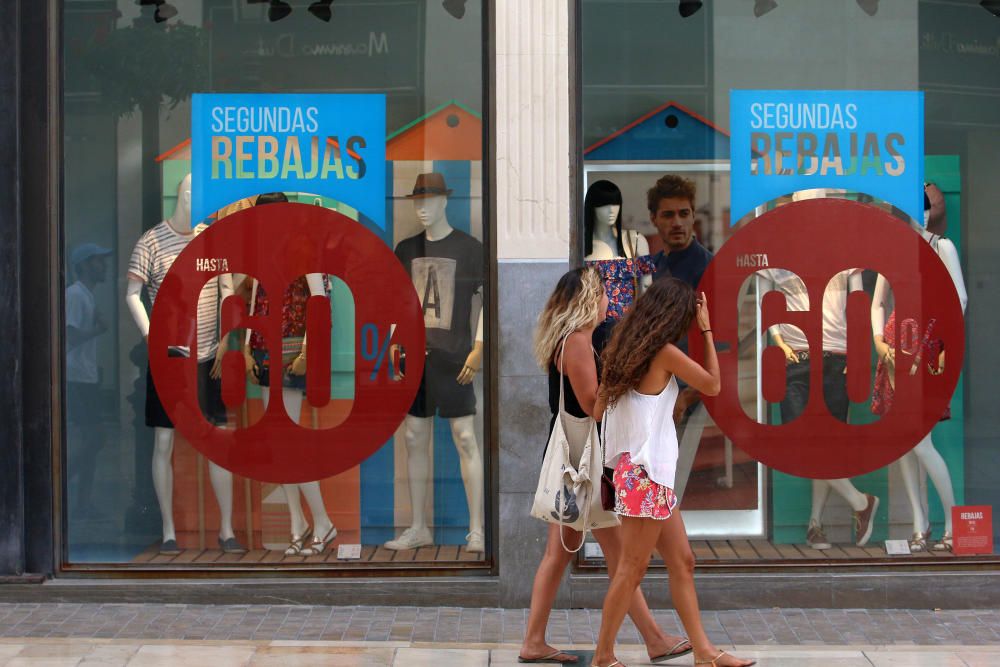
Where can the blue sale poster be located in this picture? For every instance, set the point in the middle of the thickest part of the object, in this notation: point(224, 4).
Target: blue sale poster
point(863, 141)
point(322, 144)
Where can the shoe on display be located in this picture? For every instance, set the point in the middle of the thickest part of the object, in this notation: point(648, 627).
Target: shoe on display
point(170, 548)
point(411, 538)
point(864, 521)
point(231, 546)
point(475, 542)
point(816, 538)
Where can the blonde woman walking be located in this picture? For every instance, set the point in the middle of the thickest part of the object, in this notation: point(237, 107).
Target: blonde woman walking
point(573, 312)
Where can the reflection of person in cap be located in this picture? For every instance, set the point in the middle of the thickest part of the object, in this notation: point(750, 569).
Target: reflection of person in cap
point(84, 323)
point(446, 266)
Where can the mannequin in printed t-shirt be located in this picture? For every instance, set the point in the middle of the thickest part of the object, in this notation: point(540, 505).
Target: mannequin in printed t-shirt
point(446, 266)
point(152, 257)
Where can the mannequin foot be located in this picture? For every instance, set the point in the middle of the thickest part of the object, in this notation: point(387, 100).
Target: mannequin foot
point(475, 542)
point(297, 542)
point(945, 543)
point(816, 537)
point(231, 546)
point(864, 521)
point(320, 542)
point(412, 538)
point(170, 548)
point(917, 543)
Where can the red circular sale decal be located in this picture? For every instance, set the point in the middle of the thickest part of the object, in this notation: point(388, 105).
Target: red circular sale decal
point(276, 245)
point(817, 239)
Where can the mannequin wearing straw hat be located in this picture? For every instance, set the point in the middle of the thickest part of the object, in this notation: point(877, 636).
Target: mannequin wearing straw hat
point(446, 266)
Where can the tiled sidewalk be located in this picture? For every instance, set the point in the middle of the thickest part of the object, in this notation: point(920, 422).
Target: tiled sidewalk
point(263, 623)
point(125, 653)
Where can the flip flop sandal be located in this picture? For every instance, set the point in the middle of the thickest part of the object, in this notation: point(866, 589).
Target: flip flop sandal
point(673, 652)
point(549, 659)
point(712, 661)
point(616, 663)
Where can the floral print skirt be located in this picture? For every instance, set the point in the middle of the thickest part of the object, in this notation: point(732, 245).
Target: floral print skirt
point(638, 496)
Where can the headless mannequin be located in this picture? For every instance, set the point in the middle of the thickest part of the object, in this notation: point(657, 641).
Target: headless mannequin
point(821, 487)
point(163, 438)
point(323, 529)
point(430, 211)
point(924, 455)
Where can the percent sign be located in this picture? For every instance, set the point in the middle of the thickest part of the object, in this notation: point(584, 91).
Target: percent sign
point(375, 347)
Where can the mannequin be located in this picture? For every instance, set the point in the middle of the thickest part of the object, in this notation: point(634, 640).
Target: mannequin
point(446, 267)
point(621, 255)
point(924, 454)
point(796, 349)
point(293, 384)
point(152, 257)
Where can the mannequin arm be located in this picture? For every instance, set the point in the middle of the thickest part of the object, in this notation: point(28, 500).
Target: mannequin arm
point(474, 361)
point(133, 299)
point(949, 255)
point(225, 290)
point(315, 282)
point(880, 310)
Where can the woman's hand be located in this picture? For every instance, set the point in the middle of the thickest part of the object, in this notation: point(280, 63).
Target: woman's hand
point(701, 313)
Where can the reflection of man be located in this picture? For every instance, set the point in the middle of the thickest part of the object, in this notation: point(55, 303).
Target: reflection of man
point(793, 343)
point(672, 212)
point(83, 325)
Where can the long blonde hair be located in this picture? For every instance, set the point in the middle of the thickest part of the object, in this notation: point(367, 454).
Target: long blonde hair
point(573, 305)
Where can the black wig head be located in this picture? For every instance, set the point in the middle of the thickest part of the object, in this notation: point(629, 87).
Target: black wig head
point(601, 193)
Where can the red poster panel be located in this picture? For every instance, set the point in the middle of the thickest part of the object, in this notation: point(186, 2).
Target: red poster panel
point(973, 529)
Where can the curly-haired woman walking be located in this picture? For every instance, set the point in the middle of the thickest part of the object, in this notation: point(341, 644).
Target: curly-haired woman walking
point(638, 390)
point(577, 305)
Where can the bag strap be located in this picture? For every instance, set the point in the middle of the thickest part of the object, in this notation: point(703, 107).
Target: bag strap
point(562, 492)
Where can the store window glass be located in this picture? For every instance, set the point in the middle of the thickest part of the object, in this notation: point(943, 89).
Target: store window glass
point(143, 486)
point(657, 136)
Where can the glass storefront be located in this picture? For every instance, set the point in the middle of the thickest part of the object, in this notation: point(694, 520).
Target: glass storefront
point(797, 464)
point(143, 484)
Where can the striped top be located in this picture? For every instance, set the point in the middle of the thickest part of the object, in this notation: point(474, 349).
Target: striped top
point(154, 254)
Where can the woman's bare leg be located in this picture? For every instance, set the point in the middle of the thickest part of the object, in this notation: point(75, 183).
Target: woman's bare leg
point(676, 552)
point(657, 641)
point(543, 592)
point(640, 535)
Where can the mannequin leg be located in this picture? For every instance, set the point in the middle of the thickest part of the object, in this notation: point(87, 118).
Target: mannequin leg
point(821, 491)
point(222, 485)
point(938, 471)
point(463, 432)
point(163, 478)
point(292, 399)
point(908, 468)
point(417, 432)
point(845, 488)
point(924, 497)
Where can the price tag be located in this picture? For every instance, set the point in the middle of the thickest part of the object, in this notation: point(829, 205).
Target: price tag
point(897, 547)
point(349, 552)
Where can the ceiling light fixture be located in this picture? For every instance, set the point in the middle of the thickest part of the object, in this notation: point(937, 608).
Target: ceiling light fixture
point(870, 7)
point(761, 7)
point(321, 10)
point(163, 11)
point(277, 10)
point(454, 7)
point(688, 8)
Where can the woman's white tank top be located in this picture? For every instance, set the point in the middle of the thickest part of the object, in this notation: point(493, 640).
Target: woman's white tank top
point(643, 426)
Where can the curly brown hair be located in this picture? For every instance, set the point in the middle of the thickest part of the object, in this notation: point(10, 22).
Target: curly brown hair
point(670, 187)
point(660, 316)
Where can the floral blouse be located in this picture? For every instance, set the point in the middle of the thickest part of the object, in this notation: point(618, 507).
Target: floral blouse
point(620, 278)
point(293, 311)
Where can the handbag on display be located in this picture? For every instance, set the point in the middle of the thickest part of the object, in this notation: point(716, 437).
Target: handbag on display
point(566, 494)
